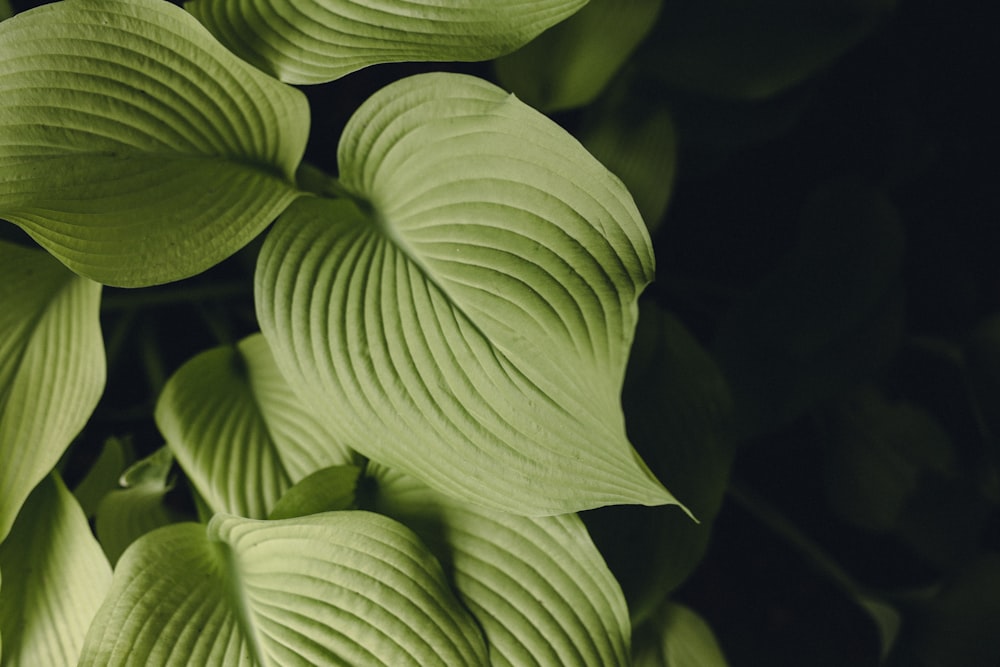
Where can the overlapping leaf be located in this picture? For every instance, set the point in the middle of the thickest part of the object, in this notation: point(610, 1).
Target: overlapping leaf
point(469, 319)
point(313, 41)
point(239, 431)
point(126, 514)
point(52, 368)
point(677, 637)
point(55, 577)
point(133, 145)
point(571, 64)
point(348, 588)
point(537, 586)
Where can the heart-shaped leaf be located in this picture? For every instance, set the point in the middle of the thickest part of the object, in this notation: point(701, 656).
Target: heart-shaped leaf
point(55, 577)
point(52, 368)
point(469, 319)
point(350, 588)
point(238, 430)
point(134, 146)
point(313, 41)
point(537, 586)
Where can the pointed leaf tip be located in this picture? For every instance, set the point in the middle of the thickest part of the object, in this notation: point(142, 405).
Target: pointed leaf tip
point(473, 328)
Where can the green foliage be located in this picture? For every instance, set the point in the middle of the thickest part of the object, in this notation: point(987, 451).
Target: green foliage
point(329, 371)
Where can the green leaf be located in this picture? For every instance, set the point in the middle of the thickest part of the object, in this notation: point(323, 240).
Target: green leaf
point(125, 515)
point(314, 41)
point(103, 475)
point(238, 430)
point(326, 490)
point(569, 65)
point(349, 588)
point(679, 412)
point(55, 577)
point(677, 637)
point(637, 141)
point(136, 148)
point(537, 586)
point(467, 321)
point(52, 368)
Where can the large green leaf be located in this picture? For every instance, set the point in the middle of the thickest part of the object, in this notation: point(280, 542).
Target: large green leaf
point(570, 64)
point(55, 577)
point(468, 319)
point(52, 368)
point(135, 147)
point(349, 588)
point(537, 586)
point(239, 431)
point(313, 41)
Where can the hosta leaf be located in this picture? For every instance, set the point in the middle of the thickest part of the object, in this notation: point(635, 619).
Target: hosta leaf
point(135, 147)
point(571, 64)
point(313, 41)
point(238, 430)
point(349, 588)
point(679, 413)
point(677, 637)
point(124, 515)
point(103, 475)
point(52, 368)
point(537, 586)
point(55, 577)
point(326, 490)
point(469, 321)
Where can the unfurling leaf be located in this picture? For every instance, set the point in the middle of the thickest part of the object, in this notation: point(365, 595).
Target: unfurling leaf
point(467, 319)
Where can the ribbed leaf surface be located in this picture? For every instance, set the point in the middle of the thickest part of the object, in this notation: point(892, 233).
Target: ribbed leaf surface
point(52, 368)
point(55, 577)
point(349, 588)
point(313, 41)
point(537, 586)
point(471, 327)
point(133, 145)
point(238, 430)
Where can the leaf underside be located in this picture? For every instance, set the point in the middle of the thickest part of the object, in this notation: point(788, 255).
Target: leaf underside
point(472, 324)
point(315, 41)
point(116, 115)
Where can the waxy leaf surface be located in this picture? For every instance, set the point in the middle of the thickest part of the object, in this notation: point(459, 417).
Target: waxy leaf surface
point(349, 588)
point(468, 319)
point(135, 147)
point(314, 41)
point(238, 430)
point(52, 368)
point(537, 586)
point(55, 577)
